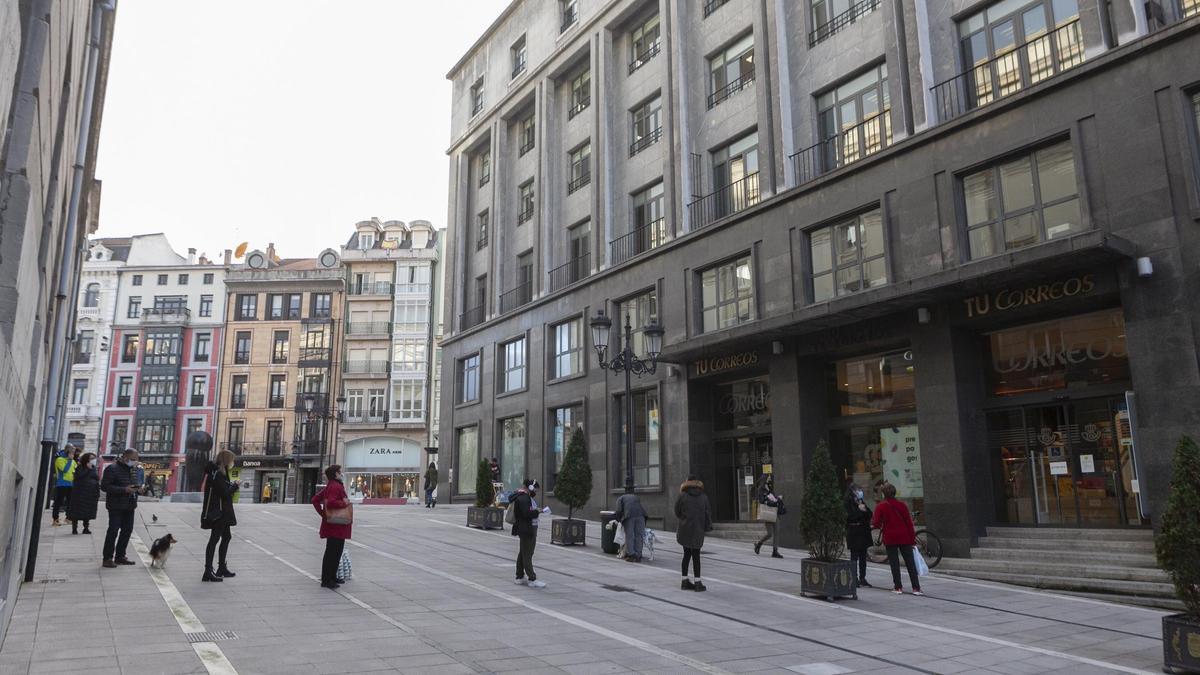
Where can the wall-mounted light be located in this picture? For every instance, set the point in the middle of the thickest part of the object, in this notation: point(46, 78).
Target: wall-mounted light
point(1145, 267)
point(777, 348)
point(922, 315)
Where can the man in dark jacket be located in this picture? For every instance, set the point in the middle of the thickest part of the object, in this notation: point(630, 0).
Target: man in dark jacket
point(525, 528)
point(632, 516)
point(120, 489)
point(695, 518)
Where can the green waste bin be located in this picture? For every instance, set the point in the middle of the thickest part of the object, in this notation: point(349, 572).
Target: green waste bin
point(608, 542)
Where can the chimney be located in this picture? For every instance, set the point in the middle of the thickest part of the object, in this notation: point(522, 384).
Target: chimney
point(191, 256)
point(271, 252)
point(228, 257)
point(204, 259)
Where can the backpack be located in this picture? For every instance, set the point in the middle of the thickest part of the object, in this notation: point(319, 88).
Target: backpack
point(510, 513)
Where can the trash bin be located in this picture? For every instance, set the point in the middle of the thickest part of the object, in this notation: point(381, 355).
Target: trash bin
point(607, 536)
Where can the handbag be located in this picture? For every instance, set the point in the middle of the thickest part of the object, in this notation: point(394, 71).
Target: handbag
point(212, 513)
point(345, 569)
point(510, 513)
point(342, 516)
point(922, 566)
point(768, 513)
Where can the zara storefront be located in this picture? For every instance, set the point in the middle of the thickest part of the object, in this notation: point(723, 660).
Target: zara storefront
point(383, 467)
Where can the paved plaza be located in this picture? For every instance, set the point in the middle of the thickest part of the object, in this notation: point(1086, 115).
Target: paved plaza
point(432, 596)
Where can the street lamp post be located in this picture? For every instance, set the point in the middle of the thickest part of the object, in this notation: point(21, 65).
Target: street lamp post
point(630, 364)
point(310, 417)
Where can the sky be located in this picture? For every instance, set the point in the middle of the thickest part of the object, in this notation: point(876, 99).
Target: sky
point(282, 121)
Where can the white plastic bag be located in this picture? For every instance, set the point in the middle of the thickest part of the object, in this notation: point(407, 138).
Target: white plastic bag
point(922, 567)
point(344, 570)
point(648, 545)
point(619, 535)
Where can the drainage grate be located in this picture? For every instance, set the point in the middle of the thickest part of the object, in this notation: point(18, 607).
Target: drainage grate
point(52, 580)
point(616, 588)
point(211, 636)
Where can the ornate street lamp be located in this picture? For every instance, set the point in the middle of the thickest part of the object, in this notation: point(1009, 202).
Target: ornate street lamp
point(630, 364)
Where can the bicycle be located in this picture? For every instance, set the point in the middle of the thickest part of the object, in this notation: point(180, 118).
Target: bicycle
point(928, 544)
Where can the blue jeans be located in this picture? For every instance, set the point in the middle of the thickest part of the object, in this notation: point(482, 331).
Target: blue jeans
point(635, 535)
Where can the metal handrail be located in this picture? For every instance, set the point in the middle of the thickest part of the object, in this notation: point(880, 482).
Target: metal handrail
point(730, 89)
point(856, 12)
point(724, 202)
point(645, 141)
point(571, 271)
point(642, 239)
point(519, 295)
point(583, 179)
point(644, 58)
point(1021, 67)
point(471, 317)
point(525, 216)
point(846, 147)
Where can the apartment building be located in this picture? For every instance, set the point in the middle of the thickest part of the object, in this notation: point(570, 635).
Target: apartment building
point(164, 355)
point(949, 241)
point(277, 405)
point(392, 275)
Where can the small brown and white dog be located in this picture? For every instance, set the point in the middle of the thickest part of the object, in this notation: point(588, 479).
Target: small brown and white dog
point(160, 550)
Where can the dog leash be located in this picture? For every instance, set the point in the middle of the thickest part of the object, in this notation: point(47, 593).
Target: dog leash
point(143, 519)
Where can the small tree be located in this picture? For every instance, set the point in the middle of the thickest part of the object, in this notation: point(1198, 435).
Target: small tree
point(1178, 540)
point(485, 493)
point(574, 484)
point(822, 516)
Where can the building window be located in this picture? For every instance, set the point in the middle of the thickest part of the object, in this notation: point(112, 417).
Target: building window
point(644, 43)
point(569, 10)
point(569, 350)
point(727, 295)
point(639, 311)
point(208, 278)
point(206, 305)
point(278, 391)
point(239, 390)
point(830, 16)
point(162, 349)
point(84, 345)
point(580, 172)
point(199, 390)
point(155, 437)
point(873, 384)
point(735, 177)
point(247, 307)
point(526, 134)
point(854, 119)
point(412, 316)
point(241, 347)
point(848, 256)
point(512, 356)
point(647, 455)
point(466, 444)
point(162, 279)
point(581, 93)
point(183, 279)
point(135, 307)
point(649, 227)
point(646, 127)
point(481, 230)
point(648, 205)
point(468, 381)
point(354, 405)
point(129, 349)
point(91, 297)
point(511, 453)
point(279, 346)
point(194, 424)
point(158, 390)
point(525, 201)
point(320, 305)
point(366, 241)
point(731, 70)
point(137, 280)
point(1022, 201)
point(409, 400)
point(274, 438)
point(203, 347)
point(563, 422)
point(124, 392)
point(485, 168)
point(376, 404)
point(283, 306)
point(519, 56)
point(477, 97)
point(237, 436)
point(120, 434)
point(79, 392)
point(410, 355)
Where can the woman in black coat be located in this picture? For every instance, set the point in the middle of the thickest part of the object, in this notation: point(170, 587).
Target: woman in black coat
point(216, 515)
point(695, 518)
point(85, 494)
point(858, 531)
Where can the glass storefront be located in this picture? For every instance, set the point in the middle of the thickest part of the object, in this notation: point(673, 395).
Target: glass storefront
point(467, 446)
point(742, 445)
point(563, 422)
point(382, 485)
point(512, 452)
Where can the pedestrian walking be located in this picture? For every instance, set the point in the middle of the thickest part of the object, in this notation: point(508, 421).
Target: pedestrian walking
point(85, 495)
point(217, 515)
point(695, 518)
point(769, 509)
point(525, 529)
point(632, 516)
point(64, 479)
point(431, 481)
point(858, 531)
point(120, 489)
point(899, 536)
point(337, 516)
point(266, 493)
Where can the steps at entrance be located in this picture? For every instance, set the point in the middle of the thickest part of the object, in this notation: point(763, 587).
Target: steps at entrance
point(739, 531)
point(1113, 564)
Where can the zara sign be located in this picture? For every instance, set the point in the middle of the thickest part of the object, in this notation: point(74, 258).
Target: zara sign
point(383, 452)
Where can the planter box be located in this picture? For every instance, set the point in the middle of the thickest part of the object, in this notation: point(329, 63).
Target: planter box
point(485, 518)
point(829, 579)
point(568, 532)
point(1181, 643)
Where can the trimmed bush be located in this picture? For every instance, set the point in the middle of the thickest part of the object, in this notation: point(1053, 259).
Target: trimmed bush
point(485, 493)
point(1177, 544)
point(822, 516)
point(574, 484)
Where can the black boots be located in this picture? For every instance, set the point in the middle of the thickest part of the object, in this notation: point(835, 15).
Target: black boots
point(757, 547)
point(209, 576)
point(223, 571)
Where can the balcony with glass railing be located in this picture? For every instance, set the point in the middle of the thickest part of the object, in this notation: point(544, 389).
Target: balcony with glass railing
point(724, 202)
point(642, 239)
point(368, 329)
point(366, 367)
point(846, 147)
point(383, 288)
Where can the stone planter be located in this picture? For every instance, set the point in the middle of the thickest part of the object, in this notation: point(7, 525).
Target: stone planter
point(568, 532)
point(1181, 643)
point(829, 579)
point(485, 517)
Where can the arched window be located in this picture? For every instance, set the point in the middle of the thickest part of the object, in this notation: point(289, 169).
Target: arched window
point(91, 298)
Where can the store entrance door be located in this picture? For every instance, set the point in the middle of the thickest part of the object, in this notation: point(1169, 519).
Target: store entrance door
point(741, 462)
point(272, 491)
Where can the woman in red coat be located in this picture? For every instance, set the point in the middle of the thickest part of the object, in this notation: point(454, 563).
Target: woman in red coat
point(335, 536)
point(899, 536)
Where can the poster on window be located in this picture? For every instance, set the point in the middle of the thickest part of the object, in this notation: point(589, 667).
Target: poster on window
point(901, 459)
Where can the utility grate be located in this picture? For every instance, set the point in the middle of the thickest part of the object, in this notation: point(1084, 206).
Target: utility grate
point(211, 636)
point(618, 589)
point(52, 580)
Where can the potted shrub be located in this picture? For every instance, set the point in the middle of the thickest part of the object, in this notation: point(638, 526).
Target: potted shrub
point(485, 514)
point(1177, 546)
point(823, 526)
point(573, 488)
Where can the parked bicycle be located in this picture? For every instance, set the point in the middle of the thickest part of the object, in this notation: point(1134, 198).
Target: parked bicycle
point(928, 544)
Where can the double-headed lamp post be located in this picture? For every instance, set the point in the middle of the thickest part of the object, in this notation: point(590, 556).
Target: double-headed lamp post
point(631, 364)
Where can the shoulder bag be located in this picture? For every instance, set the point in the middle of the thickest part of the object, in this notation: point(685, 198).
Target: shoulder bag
point(768, 513)
point(342, 516)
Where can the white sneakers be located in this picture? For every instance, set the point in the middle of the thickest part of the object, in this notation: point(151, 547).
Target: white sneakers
point(537, 584)
point(521, 582)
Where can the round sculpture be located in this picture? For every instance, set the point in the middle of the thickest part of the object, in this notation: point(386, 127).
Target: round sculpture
point(199, 446)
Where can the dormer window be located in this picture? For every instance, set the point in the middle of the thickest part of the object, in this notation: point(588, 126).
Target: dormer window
point(366, 241)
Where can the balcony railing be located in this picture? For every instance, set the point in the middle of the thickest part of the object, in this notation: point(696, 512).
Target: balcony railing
point(359, 328)
point(237, 402)
point(846, 147)
point(520, 295)
point(724, 202)
point(644, 58)
point(569, 16)
point(358, 367)
point(730, 89)
point(366, 419)
point(526, 146)
point(308, 446)
point(712, 6)
point(579, 107)
point(196, 401)
point(1024, 66)
point(645, 141)
point(476, 106)
point(482, 243)
point(166, 315)
point(571, 271)
point(525, 215)
point(82, 358)
point(856, 12)
point(320, 401)
point(125, 401)
point(241, 358)
point(315, 354)
point(642, 239)
point(579, 182)
point(76, 409)
point(470, 318)
point(371, 288)
point(276, 402)
point(519, 66)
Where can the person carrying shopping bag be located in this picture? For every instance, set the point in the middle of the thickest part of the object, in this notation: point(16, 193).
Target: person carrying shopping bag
point(899, 536)
point(769, 509)
point(337, 516)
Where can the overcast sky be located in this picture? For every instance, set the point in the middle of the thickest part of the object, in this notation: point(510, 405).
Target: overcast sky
point(281, 121)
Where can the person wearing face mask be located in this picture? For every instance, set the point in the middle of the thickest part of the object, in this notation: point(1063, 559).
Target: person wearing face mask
point(120, 489)
point(525, 528)
point(858, 531)
point(332, 498)
point(85, 495)
point(217, 514)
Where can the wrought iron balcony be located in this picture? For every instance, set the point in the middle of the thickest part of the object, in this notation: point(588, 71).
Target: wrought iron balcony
point(579, 107)
point(571, 271)
point(366, 367)
point(730, 89)
point(269, 448)
point(525, 215)
point(582, 180)
point(368, 328)
point(371, 288)
point(570, 15)
point(526, 146)
point(644, 58)
point(846, 147)
point(275, 402)
point(642, 239)
point(320, 402)
point(125, 402)
point(519, 66)
point(477, 106)
point(712, 6)
point(837, 23)
point(471, 318)
point(520, 295)
point(724, 202)
point(308, 446)
point(644, 142)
